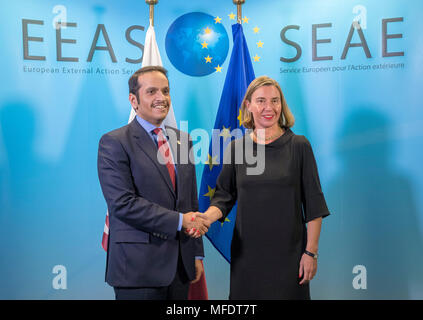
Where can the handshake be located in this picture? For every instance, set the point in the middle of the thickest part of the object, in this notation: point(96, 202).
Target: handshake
point(196, 224)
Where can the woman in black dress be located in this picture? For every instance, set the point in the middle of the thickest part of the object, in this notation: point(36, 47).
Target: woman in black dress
point(279, 212)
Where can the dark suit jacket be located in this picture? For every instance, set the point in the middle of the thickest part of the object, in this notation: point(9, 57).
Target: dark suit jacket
point(144, 208)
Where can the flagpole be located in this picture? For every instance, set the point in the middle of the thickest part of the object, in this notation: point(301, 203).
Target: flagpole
point(151, 3)
point(239, 4)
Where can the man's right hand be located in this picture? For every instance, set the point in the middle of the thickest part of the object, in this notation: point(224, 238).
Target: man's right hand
point(195, 224)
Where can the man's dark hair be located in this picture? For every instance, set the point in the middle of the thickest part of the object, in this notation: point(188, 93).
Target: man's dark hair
point(133, 84)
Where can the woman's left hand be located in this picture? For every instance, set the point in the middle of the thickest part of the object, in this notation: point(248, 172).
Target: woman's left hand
point(308, 268)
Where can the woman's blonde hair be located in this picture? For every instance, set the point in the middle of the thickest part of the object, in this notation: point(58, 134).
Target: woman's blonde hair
point(286, 118)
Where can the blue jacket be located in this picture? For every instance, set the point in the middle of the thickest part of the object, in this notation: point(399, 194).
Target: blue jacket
point(144, 208)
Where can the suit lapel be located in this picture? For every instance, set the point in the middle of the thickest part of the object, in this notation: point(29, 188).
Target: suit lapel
point(176, 152)
point(178, 156)
point(175, 146)
point(148, 146)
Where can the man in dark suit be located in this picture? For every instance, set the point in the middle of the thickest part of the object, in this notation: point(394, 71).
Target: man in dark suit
point(151, 196)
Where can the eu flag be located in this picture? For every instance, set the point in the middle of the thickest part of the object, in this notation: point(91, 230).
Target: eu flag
point(240, 74)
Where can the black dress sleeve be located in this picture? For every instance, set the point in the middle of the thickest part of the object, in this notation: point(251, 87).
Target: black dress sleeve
point(225, 194)
point(313, 200)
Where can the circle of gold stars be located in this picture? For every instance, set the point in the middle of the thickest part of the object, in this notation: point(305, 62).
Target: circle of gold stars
point(208, 30)
point(256, 30)
point(256, 57)
point(204, 44)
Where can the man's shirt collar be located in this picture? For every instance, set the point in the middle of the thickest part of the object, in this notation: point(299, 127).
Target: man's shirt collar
point(148, 126)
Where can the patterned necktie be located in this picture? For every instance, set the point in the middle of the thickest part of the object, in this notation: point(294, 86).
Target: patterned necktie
point(164, 149)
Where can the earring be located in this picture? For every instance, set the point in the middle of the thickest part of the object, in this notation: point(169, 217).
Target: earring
point(283, 119)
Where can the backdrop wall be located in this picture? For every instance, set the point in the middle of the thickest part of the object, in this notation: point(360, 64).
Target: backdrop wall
point(355, 91)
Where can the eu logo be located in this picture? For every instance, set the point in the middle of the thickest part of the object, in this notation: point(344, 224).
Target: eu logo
point(197, 44)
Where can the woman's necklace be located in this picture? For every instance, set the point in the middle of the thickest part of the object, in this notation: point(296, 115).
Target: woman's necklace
point(278, 134)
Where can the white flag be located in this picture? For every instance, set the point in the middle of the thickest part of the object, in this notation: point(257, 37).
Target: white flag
point(151, 57)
